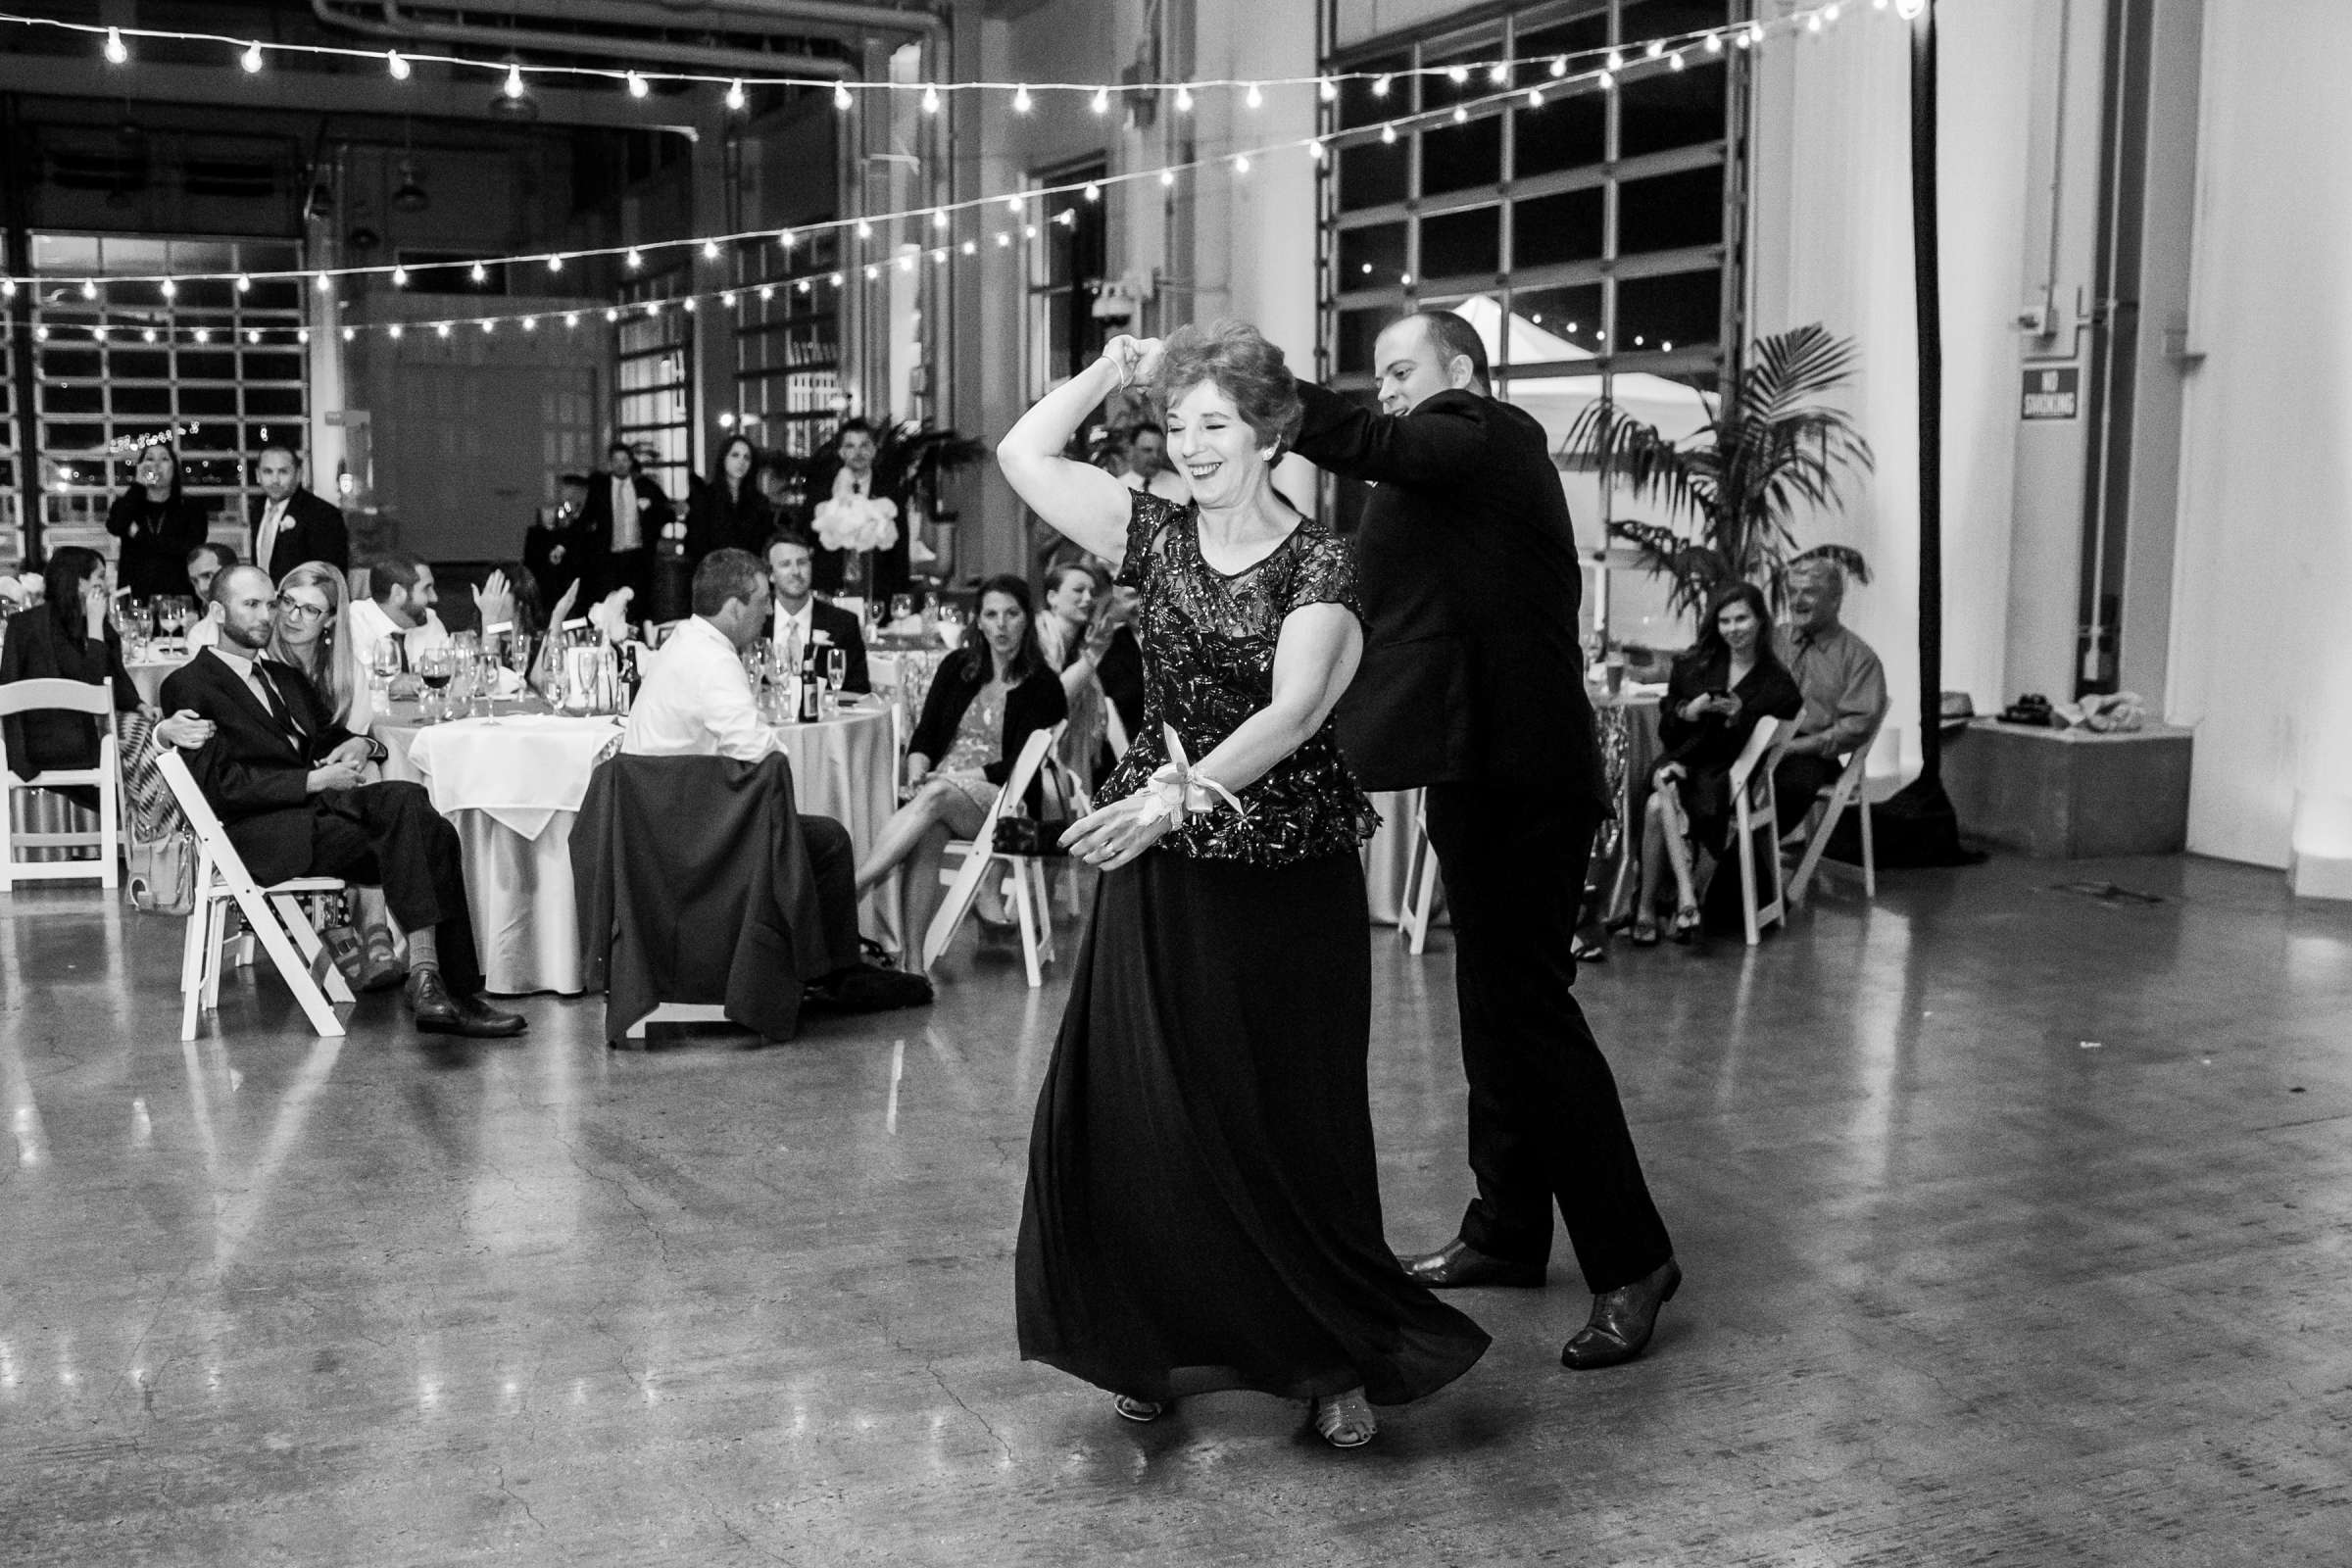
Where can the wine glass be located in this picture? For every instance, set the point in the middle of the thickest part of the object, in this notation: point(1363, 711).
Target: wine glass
point(436, 667)
point(902, 608)
point(837, 671)
point(949, 624)
point(384, 666)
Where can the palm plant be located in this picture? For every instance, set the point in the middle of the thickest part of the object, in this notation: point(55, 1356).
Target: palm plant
point(1768, 452)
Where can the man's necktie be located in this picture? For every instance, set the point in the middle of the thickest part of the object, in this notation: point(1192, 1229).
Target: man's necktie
point(277, 705)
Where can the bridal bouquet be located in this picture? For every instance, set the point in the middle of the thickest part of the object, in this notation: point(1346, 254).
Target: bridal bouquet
point(852, 521)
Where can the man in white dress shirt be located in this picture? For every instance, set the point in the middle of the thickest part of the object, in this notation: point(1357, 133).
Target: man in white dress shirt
point(695, 701)
point(205, 563)
point(1147, 463)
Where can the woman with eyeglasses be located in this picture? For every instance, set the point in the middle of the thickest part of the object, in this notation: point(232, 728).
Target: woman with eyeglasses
point(158, 524)
point(309, 617)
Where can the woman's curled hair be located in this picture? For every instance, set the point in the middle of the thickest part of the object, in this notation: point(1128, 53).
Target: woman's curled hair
point(1245, 367)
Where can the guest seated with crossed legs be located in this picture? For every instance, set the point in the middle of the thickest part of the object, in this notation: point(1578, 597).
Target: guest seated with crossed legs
point(285, 778)
point(982, 707)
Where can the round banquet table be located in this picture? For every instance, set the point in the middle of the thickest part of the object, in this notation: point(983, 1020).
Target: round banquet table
point(513, 790)
point(148, 670)
point(1627, 727)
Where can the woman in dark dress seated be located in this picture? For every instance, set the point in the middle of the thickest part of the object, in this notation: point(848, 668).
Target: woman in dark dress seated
point(1202, 1210)
point(980, 710)
point(1715, 695)
point(68, 637)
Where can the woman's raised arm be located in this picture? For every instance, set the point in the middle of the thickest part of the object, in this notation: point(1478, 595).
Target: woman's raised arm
point(1085, 505)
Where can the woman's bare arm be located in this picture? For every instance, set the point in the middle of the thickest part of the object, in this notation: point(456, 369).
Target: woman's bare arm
point(1085, 505)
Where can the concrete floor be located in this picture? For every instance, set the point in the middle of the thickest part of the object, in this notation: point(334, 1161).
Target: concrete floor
point(2015, 1223)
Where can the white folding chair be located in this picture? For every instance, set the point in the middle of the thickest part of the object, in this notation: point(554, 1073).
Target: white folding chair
point(1848, 790)
point(1025, 874)
point(274, 914)
point(1418, 896)
point(71, 697)
point(1754, 807)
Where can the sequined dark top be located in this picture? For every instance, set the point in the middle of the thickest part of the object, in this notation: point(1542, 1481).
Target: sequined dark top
point(1208, 664)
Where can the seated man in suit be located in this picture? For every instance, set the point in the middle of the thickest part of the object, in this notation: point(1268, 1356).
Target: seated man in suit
point(1844, 687)
point(697, 702)
point(801, 620)
point(285, 778)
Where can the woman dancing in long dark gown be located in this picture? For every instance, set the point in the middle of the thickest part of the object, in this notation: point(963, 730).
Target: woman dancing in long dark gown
point(1203, 1212)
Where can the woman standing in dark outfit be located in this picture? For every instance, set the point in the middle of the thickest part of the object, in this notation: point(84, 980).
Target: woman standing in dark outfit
point(67, 637)
point(158, 525)
point(1202, 1210)
point(1714, 697)
point(728, 512)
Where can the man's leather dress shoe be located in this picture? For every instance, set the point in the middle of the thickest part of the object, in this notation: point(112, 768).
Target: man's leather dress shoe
point(1457, 1265)
point(1622, 1320)
point(438, 1012)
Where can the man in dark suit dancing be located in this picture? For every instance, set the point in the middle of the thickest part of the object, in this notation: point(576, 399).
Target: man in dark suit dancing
point(290, 524)
point(285, 778)
point(1472, 684)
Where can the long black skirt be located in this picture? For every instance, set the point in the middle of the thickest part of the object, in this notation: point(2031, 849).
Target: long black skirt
point(1202, 1210)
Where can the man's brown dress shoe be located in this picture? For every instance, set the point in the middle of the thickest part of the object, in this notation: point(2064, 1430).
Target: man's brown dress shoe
point(1457, 1265)
point(438, 1012)
point(1622, 1320)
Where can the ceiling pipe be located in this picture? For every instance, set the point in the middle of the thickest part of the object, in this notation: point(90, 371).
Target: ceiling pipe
point(740, 62)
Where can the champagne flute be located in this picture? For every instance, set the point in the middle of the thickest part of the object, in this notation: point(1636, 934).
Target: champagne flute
point(837, 671)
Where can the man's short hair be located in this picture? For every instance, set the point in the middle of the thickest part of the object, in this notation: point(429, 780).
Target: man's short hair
point(857, 426)
point(287, 447)
point(225, 583)
point(1455, 336)
point(790, 535)
point(223, 555)
point(396, 569)
point(1142, 425)
point(726, 575)
point(1829, 569)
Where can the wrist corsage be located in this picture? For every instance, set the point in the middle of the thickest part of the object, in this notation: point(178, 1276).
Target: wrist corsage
point(1178, 792)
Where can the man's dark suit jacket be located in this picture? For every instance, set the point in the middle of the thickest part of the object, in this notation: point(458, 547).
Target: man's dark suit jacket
point(1467, 567)
point(252, 771)
point(596, 517)
point(312, 531)
point(845, 633)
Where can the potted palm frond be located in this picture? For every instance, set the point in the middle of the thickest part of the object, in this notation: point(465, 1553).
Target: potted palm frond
point(1770, 450)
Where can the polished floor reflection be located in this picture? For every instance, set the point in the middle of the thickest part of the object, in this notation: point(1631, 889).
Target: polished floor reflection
point(2014, 1216)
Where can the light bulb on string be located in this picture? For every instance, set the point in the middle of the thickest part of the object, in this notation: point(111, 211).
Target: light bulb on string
point(841, 97)
point(572, 319)
point(1714, 43)
point(325, 283)
point(1559, 65)
point(1093, 192)
point(1388, 133)
point(727, 298)
point(611, 314)
point(1167, 177)
point(1909, 10)
point(1499, 73)
point(1102, 101)
point(1380, 87)
point(203, 336)
point(866, 230)
point(243, 282)
point(513, 87)
point(253, 334)
point(478, 272)
point(1457, 75)
point(302, 334)
point(1534, 97)
point(1314, 150)
point(1028, 231)
point(349, 333)
point(971, 247)
point(1184, 99)
point(1813, 23)
point(400, 277)
point(1255, 98)
point(788, 239)
point(89, 291)
point(1327, 89)
point(767, 291)
point(638, 86)
point(1020, 99)
point(1674, 61)
point(735, 96)
point(8, 288)
point(1616, 61)
point(1240, 163)
point(1461, 115)
point(872, 271)
point(1658, 47)
point(397, 66)
point(117, 50)
point(148, 334)
point(395, 331)
point(939, 217)
point(1831, 12)
point(555, 264)
point(1004, 241)
point(441, 328)
point(1756, 29)
point(1607, 81)
point(40, 334)
point(530, 324)
point(169, 288)
point(251, 59)
point(938, 255)
point(487, 325)
point(634, 260)
point(709, 250)
point(930, 100)
point(1012, 204)
point(835, 280)
point(805, 285)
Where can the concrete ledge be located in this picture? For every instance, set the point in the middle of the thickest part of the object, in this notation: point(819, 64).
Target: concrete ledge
point(2071, 793)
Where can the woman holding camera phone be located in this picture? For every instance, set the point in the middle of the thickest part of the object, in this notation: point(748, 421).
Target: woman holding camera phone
point(1717, 692)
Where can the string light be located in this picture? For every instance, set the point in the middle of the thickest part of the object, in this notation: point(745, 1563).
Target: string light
point(1255, 99)
point(971, 247)
point(169, 288)
point(243, 282)
point(1314, 150)
point(398, 66)
point(788, 239)
point(1534, 97)
point(349, 332)
point(1380, 87)
point(1559, 65)
point(513, 87)
point(555, 264)
point(1457, 75)
point(1240, 163)
point(939, 215)
point(1388, 135)
point(89, 291)
point(637, 86)
point(634, 260)
point(441, 328)
point(400, 277)
point(478, 272)
point(1102, 101)
point(572, 319)
point(1020, 99)
point(735, 96)
point(1093, 192)
point(325, 283)
point(251, 59)
point(1461, 112)
point(1500, 74)
point(1184, 100)
point(930, 100)
point(1328, 91)
point(841, 97)
point(530, 324)
point(1167, 177)
point(117, 50)
point(709, 250)
point(865, 229)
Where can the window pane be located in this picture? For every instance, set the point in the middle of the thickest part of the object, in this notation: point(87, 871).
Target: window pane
point(263, 365)
point(144, 401)
point(1668, 19)
point(1459, 243)
point(200, 364)
point(1670, 212)
point(208, 402)
point(1557, 228)
point(1360, 105)
point(1571, 315)
point(1677, 311)
point(1660, 111)
point(1373, 175)
point(1461, 156)
point(147, 365)
point(1358, 331)
point(84, 398)
point(1371, 256)
point(1569, 131)
point(58, 360)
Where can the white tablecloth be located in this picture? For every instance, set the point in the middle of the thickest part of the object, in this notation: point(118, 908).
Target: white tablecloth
point(147, 674)
point(497, 783)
